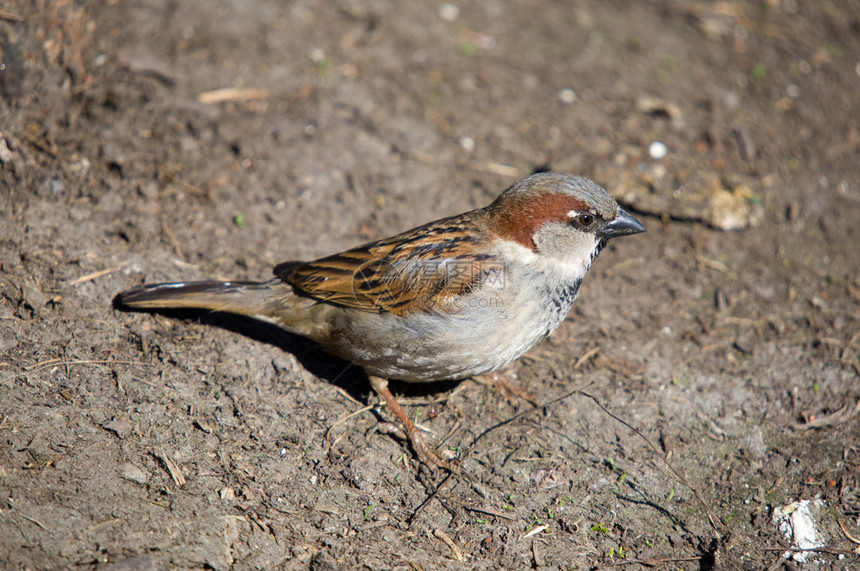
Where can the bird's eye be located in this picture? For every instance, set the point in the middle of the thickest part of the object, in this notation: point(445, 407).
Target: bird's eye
point(585, 219)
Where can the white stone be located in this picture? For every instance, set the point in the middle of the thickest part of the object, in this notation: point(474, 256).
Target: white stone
point(449, 12)
point(567, 95)
point(657, 150)
point(797, 522)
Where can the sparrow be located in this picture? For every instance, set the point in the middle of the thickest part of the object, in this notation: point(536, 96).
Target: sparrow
point(459, 297)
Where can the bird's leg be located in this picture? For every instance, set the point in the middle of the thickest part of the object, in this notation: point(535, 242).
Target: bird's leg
point(504, 385)
point(427, 454)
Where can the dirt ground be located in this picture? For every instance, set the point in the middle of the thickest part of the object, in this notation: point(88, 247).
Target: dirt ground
point(160, 140)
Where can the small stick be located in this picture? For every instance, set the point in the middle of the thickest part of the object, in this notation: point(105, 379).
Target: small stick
point(172, 468)
point(586, 356)
point(58, 362)
point(232, 94)
point(94, 275)
point(458, 555)
point(715, 522)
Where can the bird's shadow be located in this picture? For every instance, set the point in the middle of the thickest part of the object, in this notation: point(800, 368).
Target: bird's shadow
point(309, 354)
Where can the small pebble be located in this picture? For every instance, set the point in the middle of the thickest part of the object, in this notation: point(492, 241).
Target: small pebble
point(133, 473)
point(316, 55)
point(467, 143)
point(5, 152)
point(57, 185)
point(567, 95)
point(449, 12)
point(657, 150)
point(487, 42)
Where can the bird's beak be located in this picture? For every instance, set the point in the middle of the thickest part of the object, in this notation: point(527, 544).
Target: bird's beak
point(623, 225)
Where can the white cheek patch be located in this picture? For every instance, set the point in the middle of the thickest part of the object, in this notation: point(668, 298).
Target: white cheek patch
point(564, 251)
point(514, 251)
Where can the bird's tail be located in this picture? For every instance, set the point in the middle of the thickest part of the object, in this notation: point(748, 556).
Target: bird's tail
point(244, 298)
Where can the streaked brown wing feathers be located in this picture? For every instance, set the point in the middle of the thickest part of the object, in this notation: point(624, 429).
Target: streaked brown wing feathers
point(425, 268)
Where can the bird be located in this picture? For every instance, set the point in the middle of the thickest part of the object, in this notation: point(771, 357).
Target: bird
point(459, 297)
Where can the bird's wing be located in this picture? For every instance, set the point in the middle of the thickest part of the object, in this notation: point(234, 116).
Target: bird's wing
point(425, 269)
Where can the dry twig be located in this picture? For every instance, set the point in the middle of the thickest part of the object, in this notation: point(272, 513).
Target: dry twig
point(232, 94)
point(841, 416)
point(717, 525)
point(94, 275)
point(172, 468)
point(458, 554)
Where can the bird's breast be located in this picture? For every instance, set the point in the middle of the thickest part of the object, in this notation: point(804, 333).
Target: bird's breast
point(473, 335)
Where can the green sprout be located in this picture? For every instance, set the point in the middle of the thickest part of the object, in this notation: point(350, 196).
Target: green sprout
point(758, 73)
point(367, 511)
